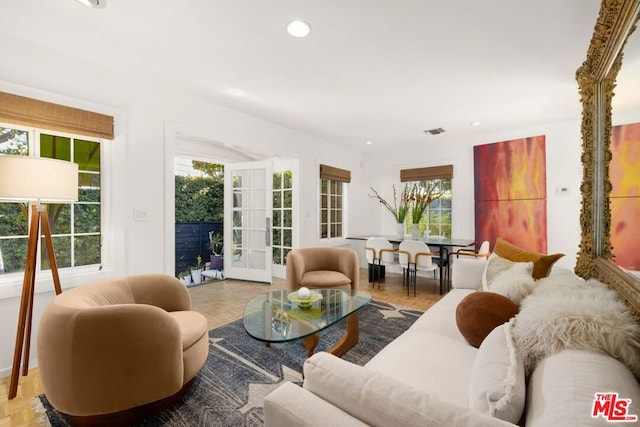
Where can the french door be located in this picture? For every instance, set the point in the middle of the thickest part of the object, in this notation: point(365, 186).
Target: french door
point(247, 221)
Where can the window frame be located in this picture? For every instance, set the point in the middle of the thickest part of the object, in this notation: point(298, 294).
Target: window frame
point(331, 210)
point(104, 212)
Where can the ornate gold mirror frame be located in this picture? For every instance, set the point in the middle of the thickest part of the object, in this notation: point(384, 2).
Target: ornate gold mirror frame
point(596, 80)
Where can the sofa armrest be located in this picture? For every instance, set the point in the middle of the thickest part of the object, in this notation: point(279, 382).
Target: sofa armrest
point(290, 405)
point(380, 400)
point(467, 273)
point(160, 290)
point(123, 348)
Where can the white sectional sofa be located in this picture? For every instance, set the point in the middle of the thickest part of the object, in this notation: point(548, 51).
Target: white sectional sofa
point(431, 376)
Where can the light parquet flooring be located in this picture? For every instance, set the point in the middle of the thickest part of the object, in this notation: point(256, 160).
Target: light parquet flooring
point(221, 302)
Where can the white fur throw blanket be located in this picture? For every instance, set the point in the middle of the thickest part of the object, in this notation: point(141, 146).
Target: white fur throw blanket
point(566, 312)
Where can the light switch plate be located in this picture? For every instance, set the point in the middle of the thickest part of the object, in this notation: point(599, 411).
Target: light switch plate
point(140, 214)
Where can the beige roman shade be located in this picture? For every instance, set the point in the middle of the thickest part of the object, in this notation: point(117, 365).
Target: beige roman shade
point(335, 174)
point(423, 174)
point(25, 111)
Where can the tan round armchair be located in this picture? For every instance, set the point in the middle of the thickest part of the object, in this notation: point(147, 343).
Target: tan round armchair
point(323, 267)
point(118, 345)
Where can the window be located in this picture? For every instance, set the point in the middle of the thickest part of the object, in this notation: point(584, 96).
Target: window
point(76, 227)
point(331, 204)
point(282, 216)
point(332, 200)
point(437, 219)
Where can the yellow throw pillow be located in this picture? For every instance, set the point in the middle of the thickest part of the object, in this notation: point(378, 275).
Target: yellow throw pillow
point(541, 263)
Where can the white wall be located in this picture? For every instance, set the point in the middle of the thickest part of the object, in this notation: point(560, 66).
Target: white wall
point(142, 151)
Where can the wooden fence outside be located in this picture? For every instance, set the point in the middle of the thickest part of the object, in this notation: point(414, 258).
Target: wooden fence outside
point(192, 239)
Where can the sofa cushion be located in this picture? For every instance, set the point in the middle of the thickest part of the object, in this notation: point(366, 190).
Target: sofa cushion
point(324, 278)
point(514, 283)
point(562, 389)
point(480, 312)
point(381, 400)
point(497, 386)
point(494, 266)
point(467, 273)
point(292, 406)
point(429, 361)
point(542, 263)
point(440, 318)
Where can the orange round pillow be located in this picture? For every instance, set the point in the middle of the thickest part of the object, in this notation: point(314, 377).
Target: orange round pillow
point(480, 312)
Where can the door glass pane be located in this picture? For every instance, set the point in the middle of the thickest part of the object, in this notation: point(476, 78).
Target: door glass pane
point(258, 178)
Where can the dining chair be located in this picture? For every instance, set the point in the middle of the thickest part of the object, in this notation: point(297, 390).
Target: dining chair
point(414, 256)
point(480, 253)
point(379, 250)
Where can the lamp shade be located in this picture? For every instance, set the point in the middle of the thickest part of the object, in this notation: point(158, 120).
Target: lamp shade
point(24, 178)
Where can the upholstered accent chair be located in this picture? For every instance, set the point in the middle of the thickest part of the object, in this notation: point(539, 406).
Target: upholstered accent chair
point(114, 351)
point(323, 267)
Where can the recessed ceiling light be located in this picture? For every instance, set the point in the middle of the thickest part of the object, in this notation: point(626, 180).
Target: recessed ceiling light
point(298, 29)
point(369, 142)
point(94, 4)
point(475, 123)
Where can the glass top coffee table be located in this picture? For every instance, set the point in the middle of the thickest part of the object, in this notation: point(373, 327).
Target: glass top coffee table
point(274, 317)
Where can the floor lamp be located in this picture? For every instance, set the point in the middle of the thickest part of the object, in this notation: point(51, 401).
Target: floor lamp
point(34, 179)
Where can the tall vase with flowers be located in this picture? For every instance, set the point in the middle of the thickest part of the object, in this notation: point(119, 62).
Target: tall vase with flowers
point(400, 207)
point(421, 196)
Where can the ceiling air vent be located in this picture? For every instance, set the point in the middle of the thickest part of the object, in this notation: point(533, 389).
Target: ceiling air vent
point(436, 131)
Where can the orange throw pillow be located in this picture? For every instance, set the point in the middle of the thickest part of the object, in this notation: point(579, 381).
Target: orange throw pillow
point(480, 312)
point(541, 263)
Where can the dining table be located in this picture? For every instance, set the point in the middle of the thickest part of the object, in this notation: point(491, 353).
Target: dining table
point(445, 247)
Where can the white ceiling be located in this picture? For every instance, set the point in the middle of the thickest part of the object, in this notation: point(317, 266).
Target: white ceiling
point(377, 70)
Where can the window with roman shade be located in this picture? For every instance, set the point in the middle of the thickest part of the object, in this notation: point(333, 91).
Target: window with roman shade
point(437, 220)
point(29, 127)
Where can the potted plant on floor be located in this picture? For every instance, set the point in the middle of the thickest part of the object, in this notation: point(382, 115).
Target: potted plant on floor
point(216, 245)
point(196, 271)
point(185, 277)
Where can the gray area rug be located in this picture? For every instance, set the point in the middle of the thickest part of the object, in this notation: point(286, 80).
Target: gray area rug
point(240, 371)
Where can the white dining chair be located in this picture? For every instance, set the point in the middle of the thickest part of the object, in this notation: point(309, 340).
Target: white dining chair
point(482, 253)
point(414, 256)
point(379, 252)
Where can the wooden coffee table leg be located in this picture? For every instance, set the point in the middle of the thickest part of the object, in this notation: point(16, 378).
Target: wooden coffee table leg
point(350, 337)
point(310, 344)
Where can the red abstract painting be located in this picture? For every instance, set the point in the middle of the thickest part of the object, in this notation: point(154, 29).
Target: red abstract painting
point(624, 173)
point(510, 192)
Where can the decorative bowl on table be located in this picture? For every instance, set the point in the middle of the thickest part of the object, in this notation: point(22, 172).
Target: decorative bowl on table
point(304, 302)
